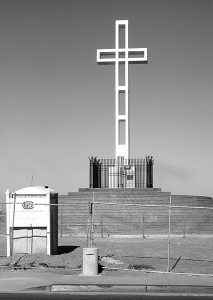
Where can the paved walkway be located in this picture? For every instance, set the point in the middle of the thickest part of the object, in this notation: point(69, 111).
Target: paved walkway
point(22, 280)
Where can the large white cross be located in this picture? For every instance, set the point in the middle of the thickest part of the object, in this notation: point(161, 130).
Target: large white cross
point(121, 55)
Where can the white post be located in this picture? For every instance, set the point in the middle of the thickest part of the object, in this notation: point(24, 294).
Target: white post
point(90, 261)
point(90, 254)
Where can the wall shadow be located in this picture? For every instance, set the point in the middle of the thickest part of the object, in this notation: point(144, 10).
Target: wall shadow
point(66, 249)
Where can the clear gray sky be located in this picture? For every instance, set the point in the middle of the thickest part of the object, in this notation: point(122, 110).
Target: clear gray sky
point(57, 104)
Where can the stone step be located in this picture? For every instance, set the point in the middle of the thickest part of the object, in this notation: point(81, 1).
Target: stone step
point(118, 190)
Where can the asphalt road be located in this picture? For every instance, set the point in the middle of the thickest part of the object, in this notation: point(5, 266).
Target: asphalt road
point(126, 296)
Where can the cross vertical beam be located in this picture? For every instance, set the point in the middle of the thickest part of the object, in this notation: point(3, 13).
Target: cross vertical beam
point(122, 55)
point(121, 91)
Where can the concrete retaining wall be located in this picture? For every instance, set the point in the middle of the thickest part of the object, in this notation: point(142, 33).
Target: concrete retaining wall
point(120, 219)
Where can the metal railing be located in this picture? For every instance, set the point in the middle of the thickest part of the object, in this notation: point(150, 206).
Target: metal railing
point(121, 173)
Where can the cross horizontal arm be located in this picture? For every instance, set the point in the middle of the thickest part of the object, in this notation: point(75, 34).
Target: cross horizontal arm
point(137, 54)
point(105, 55)
point(132, 55)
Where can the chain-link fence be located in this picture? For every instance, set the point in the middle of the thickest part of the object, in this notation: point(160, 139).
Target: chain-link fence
point(134, 235)
point(158, 237)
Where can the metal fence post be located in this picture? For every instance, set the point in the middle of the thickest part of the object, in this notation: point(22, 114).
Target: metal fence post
point(31, 248)
point(169, 234)
point(102, 227)
point(143, 226)
point(184, 227)
point(12, 231)
point(91, 223)
point(61, 222)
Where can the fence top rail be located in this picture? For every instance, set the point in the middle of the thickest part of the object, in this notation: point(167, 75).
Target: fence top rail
point(119, 204)
point(43, 204)
point(154, 205)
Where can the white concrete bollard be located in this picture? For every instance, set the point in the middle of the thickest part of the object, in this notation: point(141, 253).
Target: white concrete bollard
point(90, 261)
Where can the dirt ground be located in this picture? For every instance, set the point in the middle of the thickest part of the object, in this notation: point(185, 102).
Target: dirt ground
point(194, 255)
